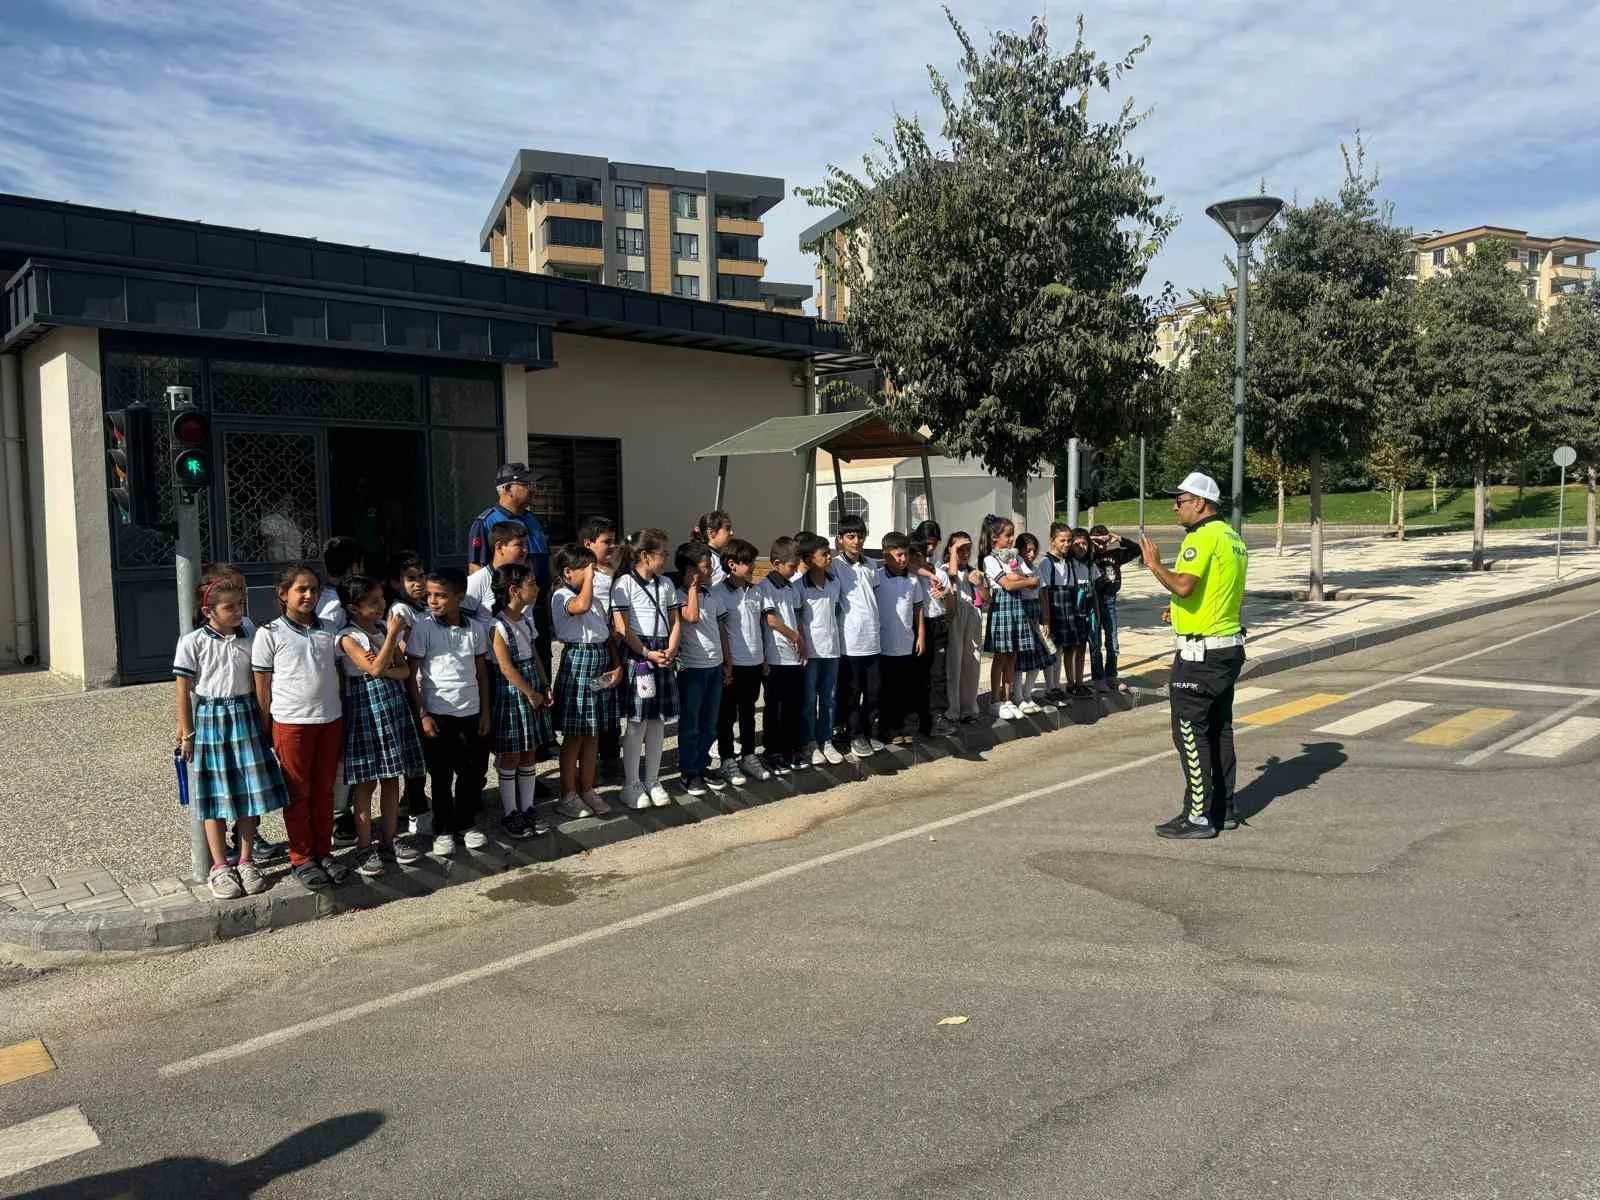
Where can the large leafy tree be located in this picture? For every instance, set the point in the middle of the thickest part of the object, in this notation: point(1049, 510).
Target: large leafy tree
point(1330, 328)
point(1571, 344)
point(1480, 370)
point(996, 281)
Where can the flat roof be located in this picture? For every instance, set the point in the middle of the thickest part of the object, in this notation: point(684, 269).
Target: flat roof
point(1432, 241)
point(812, 234)
point(845, 435)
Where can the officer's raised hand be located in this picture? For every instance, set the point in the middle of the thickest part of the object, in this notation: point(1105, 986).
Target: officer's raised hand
point(1150, 552)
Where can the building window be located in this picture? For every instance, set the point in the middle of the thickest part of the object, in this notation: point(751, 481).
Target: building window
point(686, 204)
point(631, 279)
point(735, 210)
point(853, 505)
point(738, 287)
point(686, 245)
point(687, 286)
point(630, 241)
point(630, 198)
point(569, 231)
point(1533, 260)
point(739, 246)
point(575, 478)
point(566, 189)
point(1533, 289)
point(1438, 257)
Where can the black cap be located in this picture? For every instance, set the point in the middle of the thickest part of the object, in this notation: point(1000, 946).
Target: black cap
point(513, 472)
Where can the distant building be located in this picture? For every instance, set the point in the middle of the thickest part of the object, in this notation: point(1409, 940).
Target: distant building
point(693, 234)
point(1173, 344)
point(1550, 267)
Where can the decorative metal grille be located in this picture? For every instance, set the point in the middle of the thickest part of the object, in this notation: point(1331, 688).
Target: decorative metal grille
point(330, 393)
point(145, 378)
point(274, 498)
point(855, 505)
point(463, 401)
point(463, 486)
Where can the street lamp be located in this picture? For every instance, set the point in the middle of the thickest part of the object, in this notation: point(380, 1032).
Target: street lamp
point(1244, 219)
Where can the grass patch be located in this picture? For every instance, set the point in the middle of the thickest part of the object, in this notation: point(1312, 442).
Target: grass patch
point(1536, 509)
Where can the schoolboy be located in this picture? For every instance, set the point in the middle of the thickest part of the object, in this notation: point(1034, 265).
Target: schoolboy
point(901, 598)
point(858, 668)
point(784, 648)
point(744, 664)
point(508, 543)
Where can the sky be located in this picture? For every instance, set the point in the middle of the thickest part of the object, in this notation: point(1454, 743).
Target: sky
point(392, 123)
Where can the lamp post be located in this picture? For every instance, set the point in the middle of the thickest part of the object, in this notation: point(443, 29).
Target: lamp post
point(1244, 219)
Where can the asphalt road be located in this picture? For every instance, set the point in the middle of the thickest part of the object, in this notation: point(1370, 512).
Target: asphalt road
point(1383, 986)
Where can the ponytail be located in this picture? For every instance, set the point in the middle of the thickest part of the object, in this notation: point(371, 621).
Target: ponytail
point(506, 578)
point(709, 523)
point(640, 541)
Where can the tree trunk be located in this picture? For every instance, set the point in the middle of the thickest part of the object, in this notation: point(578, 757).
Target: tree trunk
point(1314, 592)
point(1588, 515)
point(1390, 521)
point(1479, 495)
point(1433, 482)
point(1400, 507)
point(1280, 516)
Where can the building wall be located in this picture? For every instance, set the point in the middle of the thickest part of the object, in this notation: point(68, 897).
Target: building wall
point(665, 403)
point(8, 615)
point(658, 237)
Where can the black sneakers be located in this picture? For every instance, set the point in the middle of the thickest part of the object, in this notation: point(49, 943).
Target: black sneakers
point(1182, 829)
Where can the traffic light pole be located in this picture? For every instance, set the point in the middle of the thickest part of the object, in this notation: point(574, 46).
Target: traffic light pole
point(1072, 482)
point(186, 567)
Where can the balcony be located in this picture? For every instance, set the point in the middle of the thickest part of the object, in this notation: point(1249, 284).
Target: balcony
point(742, 266)
point(741, 225)
point(1571, 273)
point(567, 208)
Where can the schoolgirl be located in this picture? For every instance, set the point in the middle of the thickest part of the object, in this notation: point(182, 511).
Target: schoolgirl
point(1008, 631)
point(644, 614)
point(1070, 579)
point(714, 530)
point(381, 744)
point(1036, 655)
point(406, 593)
point(964, 607)
point(598, 535)
point(296, 669)
point(585, 701)
point(521, 696)
point(233, 773)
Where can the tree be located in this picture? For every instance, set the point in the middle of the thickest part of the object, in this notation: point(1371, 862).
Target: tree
point(1479, 370)
point(997, 284)
point(1570, 343)
point(1330, 329)
point(1269, 468)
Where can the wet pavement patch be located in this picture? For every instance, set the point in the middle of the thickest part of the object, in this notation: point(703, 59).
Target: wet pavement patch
point(549, 888)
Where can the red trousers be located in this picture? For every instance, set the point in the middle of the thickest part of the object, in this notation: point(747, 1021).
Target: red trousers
point(309, 755)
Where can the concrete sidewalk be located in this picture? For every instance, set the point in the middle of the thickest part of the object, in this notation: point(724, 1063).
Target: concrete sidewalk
point(93, 846)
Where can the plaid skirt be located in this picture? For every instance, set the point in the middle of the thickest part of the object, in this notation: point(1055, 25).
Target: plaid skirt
point(575, 708)
point(380, 732)
point(518, 726)
point(234, 773)
point(1008, 631)
point(1069, 626)
point(663, 706)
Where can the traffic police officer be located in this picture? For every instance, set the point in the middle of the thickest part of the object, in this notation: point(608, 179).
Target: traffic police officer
point(1207, 586)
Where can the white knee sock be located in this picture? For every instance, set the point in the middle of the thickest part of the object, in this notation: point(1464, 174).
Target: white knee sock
point(1052, 675)
point(1025, 686)
point(527, 774)
point(655, 736)
point(632, 743)
point(508, 789)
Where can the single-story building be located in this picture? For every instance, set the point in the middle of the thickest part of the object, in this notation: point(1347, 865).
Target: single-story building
point(352, 391)
point(890, 493)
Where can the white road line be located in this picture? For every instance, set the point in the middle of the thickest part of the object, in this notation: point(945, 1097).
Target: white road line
point(289, 1033)
point(1507, 685)
point(44, 1140)
point(1371, 718)
point(1531, 731)
point(1557, 740)
point(1246, 694)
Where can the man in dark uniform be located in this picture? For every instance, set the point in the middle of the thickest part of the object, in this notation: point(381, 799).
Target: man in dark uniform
point(1207, 586)
point(513, 484)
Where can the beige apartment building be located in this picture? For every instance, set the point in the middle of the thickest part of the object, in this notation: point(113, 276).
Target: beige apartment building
point(692, 234)
point(1550, 267)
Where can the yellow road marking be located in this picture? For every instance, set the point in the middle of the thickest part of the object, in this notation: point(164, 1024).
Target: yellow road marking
point(24, 1059)
point(1294, 708)
point(1462, 727)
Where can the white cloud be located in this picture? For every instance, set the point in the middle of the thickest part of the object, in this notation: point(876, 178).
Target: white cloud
point(393, 124)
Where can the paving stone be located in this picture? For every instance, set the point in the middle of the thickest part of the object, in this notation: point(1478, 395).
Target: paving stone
point(126, 931)
point(105, 885)
point(169, 886)
point(38, 883)
point(8, 890)
point(99, 903)
point(61, 895)
point(188, 925)
point(88, 875)
point(68, 932)
point(164, 902)
point(139, 893)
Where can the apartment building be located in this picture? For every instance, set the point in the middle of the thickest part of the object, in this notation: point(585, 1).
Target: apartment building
point(1173, 344)
point(1550, 267)
point(692, 234)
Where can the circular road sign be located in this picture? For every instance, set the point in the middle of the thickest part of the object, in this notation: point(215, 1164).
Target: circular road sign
point(1565, 456)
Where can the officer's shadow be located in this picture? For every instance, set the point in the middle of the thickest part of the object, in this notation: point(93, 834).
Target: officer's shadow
point(1282, 777)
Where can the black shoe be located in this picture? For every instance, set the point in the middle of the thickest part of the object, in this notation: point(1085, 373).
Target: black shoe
point(1173, 822)
point(344, 829)
point(1232, 819)
point(1189, 831)
point(263, 852)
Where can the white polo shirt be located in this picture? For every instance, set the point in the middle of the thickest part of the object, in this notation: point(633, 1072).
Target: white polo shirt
point(304, 667)
point(995, 570)
point(447, 670)
point(330, 612)
point(780, 596)
point(480, 591)
point(367, 641)
point(408, 612)
point(700, 644)
point(646, 606)
point(820, 617)
point(217, 665)
point(584, 629)
point(859, 621)
point(898, 599)
point(745, 625)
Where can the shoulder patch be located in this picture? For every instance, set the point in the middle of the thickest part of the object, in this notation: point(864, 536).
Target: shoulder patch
point(1190, 554)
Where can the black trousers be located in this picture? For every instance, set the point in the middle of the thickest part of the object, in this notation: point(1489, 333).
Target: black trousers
point(898, 677)
point(457, 761)
point(1202, 730)
point(786, 694)
point(933, 685)
point(857, 706)
point(739, 704)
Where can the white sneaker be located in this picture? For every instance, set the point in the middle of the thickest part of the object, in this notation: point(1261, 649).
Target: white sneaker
point(818, 758)
point(634, 796)
point(659, 796)
point(572, 807)
point(1028, 708)
point(860, 747)
point(832, 755)
point(695, 786)
point(877, 746)
point(714, 780)
point(474, 839)
point(1008, 712)
point(754, 768)
point(733, 774)
point(595, 805)
point(444, 844)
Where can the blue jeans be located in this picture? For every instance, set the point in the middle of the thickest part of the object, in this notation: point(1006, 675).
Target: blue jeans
point(822, 685)
point(699, 700)
point(1103, 664)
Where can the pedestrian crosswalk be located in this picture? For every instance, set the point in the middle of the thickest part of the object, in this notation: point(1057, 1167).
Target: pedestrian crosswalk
point(1559, 739)
point(1368, 719)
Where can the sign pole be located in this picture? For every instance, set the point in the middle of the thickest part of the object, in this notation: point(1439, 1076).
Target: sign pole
point(1563, 457)
point(1072, 482)
point(186, 567)
point(1141, 487)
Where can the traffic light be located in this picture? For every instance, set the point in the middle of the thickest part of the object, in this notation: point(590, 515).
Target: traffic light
point(131, 463)
point(1090, 477)
point(191, 448)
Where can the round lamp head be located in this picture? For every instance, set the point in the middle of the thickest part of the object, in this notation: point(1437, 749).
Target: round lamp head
point(1245, 217)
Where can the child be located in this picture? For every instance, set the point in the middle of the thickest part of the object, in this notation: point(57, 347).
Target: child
point(858, 669)
point(1035, 655)
point(714, 530)
point(744, 665)
point(699, 668)
point(406, 593)
point(822, 593)
point(902, 636)
point(1111, 553)
point(598, 535)
point(295, 661)
point(234, 775)
point(964, 616)
point(381, 746)
point(521, 705)
point(450, 688)
point(925, 540)
point(1068, 577)
point(784, 650)
point(644, 614)
point(586, 684)
point(932, 694)
point(508, 544)
point(1008, 630)
point(341, 558)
